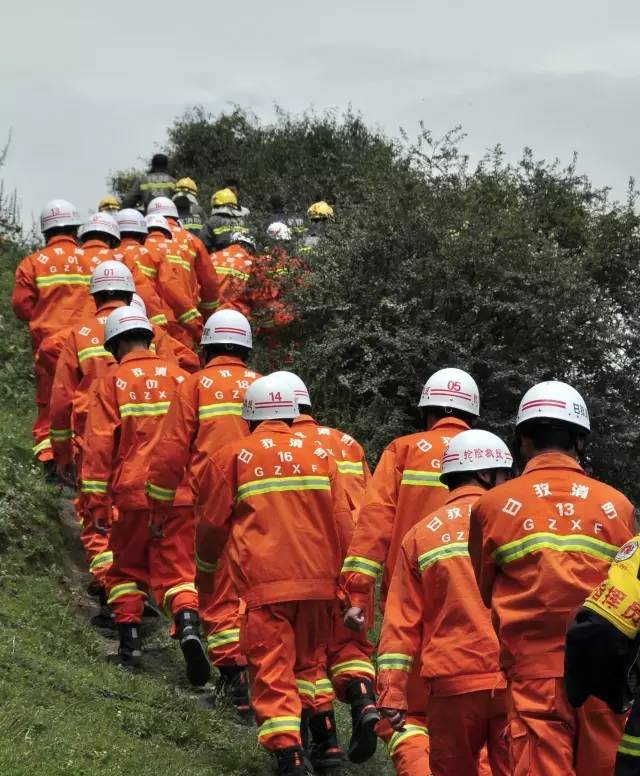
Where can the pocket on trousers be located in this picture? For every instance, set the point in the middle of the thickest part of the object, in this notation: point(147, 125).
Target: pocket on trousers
point(518, 739)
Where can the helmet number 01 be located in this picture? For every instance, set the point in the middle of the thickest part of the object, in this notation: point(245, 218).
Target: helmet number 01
point(454, 385)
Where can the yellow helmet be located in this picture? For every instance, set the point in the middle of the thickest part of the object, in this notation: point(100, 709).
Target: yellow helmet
point(320, 210)
point(223, 197)
point(187, 184)
point(108, 204)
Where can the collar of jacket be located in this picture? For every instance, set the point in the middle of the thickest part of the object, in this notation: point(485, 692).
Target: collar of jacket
point(95, 244)
point(553, 460)
point(109, 306)
point(449, 421)
point(226, 361)
point(60, 238)
point(465, 491)
point(306, 420)
point(272, 427)
point(138, 355)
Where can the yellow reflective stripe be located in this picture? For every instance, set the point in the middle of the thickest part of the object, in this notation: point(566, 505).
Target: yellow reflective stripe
point(408, 732)
point(160, 494)
point(360, 565)
point(100, 560)
point(180, 262)
point(126, 588)
point(233, 272)
point(195, 225)
point(60, 434)
point(223, 637)
point(44, 445)
point(350, 467)
point(588, 545)
point(216, 410)
point(94, 352)
point(630, 745)
point(306, 688)
point(66, 279)
point(453, 550)
point(203, 565)
point(160, 319)
point(281, 485)
point(190, 315)
point(150, 272)
point(277, 725)
point(210, 305)
point(425, 479)
point(94, 486)
point(394, 661)
point(353, 667)
point(324, 688)
point(157, 185)
point(230, 228)
point(152, 408)
point(184, 587)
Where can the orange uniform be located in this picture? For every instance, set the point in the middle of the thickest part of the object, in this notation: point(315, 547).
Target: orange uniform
point(434, 617)
point(539, 545)
point(133, 255)
point(405, 486)
point(51, 292)
point(121, 434)
point(233, 267)
point(279, 501)
point(205, 415)
point(195, 252)
point(164, 264)
point(273, 276)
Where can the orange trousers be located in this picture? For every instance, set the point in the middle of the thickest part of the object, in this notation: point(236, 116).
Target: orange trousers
point(349, 655)
point(164, 563)
point(286, 646)
point(40, 429)
point(547, 737)
point(220, 615)
point(459, 728)
point(96, 544)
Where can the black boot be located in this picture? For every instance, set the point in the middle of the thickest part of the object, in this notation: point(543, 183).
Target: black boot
point(104, 618)
point(130, 650)
point(325, 750)
point(364, 716)
point(195, 655)
point(290, 762)
point(233, 684)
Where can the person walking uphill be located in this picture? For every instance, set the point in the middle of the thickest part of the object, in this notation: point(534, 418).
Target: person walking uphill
point(278, 500)
point(539, 544)
point(158, 182)
point(434, 618)
point(405, 486)
point(121, 434)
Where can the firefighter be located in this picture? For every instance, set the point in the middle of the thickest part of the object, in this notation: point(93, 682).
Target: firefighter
point(319, 215)
point(158, 182)
point(204, 416)
point(109, 204)
point(99, 236)
point(186, 200)
point(121, 434)
point(434, 617)
point(539, 544)
point(278, 500)
point(234, 266)
point(50, 293)
point(226, 219)
point(405, 485)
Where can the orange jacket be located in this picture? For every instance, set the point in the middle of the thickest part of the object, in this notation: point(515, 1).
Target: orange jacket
point(539, 545)
point(273, 276)
point(51, 290)
point(233, 267)
point(434, 612)
point(123, 430)
point(130, 253)
point(279, 500)
point(194, 250)
point(349, 456)
point(405, 486)
point(171, 273)
point(172, 350)
point(205, 415)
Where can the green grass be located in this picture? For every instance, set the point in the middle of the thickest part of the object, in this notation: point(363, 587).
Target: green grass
point(65, 707)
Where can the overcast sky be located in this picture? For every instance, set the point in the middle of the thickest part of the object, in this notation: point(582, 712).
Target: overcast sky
point(88, 88)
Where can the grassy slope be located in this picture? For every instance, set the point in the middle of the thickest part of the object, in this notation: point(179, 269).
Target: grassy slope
point(65, 708)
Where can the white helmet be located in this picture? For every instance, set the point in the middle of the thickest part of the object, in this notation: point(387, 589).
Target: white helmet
point(162, 206)
point(158, 222)
point(227, 327)
point(270, 398)
point(131, 220)
point(451, 388)
point(138, 301)
point(101, 222)
point(111, 276)
point(556, 401)
point(59, 212)
point(299, 388)
point(125, 319)
point(473, 451)
point(279, 231)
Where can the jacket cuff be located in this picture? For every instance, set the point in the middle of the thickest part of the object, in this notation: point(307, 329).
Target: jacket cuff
point(390, 696)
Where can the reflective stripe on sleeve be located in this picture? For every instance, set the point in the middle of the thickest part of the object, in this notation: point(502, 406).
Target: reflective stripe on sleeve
point(210, 305)
point(160, 494)
point(45, 444)
point(394, 661)
point(150, 272)
point(190, 315)
point(99, 487)
point(350, 467)
point(236, 273)
point(359, 565)
point(453, 550)
point(281, 485)
point(60, 434)
point(421, 479)
point(94, 352)
point(159, 320)
point(507, 553)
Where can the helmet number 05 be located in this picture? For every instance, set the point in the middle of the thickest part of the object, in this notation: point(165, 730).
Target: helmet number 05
point(454, 385)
